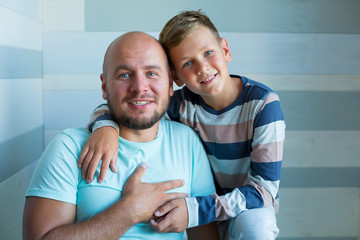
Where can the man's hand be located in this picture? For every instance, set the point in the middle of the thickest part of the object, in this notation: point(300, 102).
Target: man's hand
point(103, 144)
point(171, 217)
point(145, 198)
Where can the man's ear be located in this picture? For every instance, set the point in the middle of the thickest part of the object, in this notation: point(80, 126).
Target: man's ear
point(225, 47)
point(103, 86)
point(175, 78)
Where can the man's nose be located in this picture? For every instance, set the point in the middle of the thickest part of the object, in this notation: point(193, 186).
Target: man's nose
point(139, 84)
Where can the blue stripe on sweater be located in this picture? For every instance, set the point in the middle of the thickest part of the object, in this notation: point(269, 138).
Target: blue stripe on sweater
point(268, 170)
point(206, 209)
point(253, 197)
point(228, 150)
point(105, 116)
point(271, 113)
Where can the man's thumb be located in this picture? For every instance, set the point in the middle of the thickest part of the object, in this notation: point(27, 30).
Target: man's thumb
point(139, 172)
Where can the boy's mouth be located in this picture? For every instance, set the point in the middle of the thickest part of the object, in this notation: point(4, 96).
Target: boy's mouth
point(208, 79)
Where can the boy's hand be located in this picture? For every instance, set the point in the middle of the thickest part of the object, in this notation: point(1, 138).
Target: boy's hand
point(103, 144)
point(171, 217)
point(145, 198)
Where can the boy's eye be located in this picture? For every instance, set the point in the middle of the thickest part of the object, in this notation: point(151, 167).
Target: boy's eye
point(208, 53)
point(188, 63)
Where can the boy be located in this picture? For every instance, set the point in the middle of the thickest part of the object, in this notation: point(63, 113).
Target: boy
point(240, 123)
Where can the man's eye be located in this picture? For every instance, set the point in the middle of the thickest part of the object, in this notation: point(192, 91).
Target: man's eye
point(152, 74)
point(207, 53)
point(124, 75)
point(188, 63)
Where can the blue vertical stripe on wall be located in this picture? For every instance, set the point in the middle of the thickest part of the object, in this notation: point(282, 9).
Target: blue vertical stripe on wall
point(20, 63)
point(19, 152)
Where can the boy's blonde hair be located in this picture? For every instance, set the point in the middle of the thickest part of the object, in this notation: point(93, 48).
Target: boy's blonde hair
point(182, 25)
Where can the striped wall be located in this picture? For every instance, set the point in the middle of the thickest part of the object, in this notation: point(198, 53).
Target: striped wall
point(308, 51)
point(21, 107)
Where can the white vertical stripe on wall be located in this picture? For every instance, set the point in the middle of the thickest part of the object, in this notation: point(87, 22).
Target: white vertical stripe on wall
point(19, 31)
point(64, 15)
point(319, 212)
point(322, 149)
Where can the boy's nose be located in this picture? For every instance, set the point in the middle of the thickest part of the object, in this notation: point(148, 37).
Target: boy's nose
point(202, 68)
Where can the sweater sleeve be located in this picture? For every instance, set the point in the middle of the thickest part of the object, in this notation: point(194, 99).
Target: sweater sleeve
point(101, 118)
point(262, 187)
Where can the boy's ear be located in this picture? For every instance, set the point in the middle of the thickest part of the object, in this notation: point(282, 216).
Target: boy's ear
point(225, 47)
point(103, 86)
point(175, 78)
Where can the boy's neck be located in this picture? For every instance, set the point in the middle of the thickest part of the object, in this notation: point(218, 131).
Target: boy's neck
point(228, 96)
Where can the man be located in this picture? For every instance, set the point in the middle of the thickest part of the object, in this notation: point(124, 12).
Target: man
point(136, 84)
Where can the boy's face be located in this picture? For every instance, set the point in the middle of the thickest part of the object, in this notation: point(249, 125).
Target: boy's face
point(200, 62)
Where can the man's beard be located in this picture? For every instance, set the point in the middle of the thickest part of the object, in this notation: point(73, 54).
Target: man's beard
point(136, 123)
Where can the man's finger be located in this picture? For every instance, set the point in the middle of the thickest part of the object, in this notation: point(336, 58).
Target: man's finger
point(171, 184)
point(175, 195)
point(139, 173)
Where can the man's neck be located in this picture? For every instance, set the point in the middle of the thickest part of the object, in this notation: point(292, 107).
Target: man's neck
point(141, 135)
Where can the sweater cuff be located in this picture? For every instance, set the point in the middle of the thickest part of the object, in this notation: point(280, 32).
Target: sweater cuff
point(105, 123)
point(193, 212)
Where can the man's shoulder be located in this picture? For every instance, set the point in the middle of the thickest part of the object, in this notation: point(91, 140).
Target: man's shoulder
point(176, 128)
point(73, 136)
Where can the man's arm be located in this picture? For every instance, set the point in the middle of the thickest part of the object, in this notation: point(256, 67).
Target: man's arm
point(50, 219)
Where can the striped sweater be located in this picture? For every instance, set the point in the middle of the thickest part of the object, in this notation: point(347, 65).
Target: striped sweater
point(244, 143)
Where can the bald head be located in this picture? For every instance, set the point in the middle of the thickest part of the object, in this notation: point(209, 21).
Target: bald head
point(131, 42)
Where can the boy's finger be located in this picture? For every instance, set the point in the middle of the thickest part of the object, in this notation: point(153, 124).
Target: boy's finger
point(161, 225)
point(106, 160)
point(86, 163)
point(82, 156)
point(93, 166)
point(113, 163)
point(164, 209)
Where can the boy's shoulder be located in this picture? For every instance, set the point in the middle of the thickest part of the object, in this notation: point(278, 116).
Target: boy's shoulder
point(253, 90)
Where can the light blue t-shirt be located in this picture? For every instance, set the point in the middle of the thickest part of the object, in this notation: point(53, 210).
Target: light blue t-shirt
point(175, 153)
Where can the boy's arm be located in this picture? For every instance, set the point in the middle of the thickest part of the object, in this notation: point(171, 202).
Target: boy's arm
point(264, 176)
point(103, 145)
